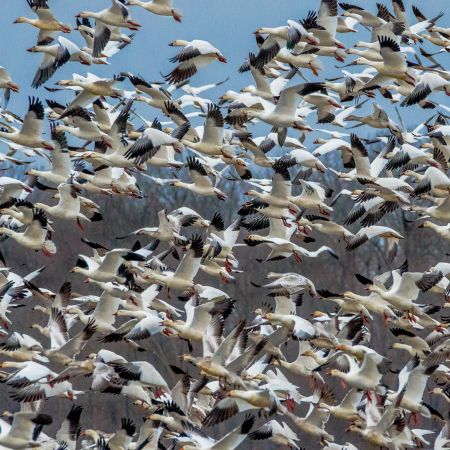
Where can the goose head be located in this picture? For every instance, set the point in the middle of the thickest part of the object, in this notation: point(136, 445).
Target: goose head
point(248, 89)
point(22, 19)
point(178, 43)
point(426, 224)
point(410, 78)
point(314, 65)
point(334, 103)
point(91, 434)
point(340, 54)
point(85, 15)
point(220, 57)
point(176, 14)
point(300, 125)
point(16, 88)
point(87, 60)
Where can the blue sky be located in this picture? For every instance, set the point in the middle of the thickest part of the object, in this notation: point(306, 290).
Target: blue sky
point(226, 24)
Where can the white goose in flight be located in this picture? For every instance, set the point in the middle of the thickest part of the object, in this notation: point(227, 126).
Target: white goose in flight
point(30, 135)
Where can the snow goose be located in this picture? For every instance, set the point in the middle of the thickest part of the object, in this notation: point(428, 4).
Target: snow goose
point(70, 428)
point(423, 24)
point(114, 157)
point(30, 135)
point(89, 88)
point(104, 314)
point(441, 230)
point(362, 15)
point(202, 184)
point(65, 352)
point(283, 115)
point(227, 361)
point(325, 105)
point(290, 142)
point(22, 347)
point(393, 191)
point(13, 190)
point(237, 401)
point(174, 417)
point(159, 7)
point(60, 160)
point(348, 407)
point(428, 83)
point(158, 96)
point(231, 440)
point(55, 56)
point(312, 198)
point(198, 318)
point(412, 380)
point(276, 432)
point(173, 111)
point(323, 24)
point(195, 54)
point(35, 236)
point(84, 128)
point(68, 207)
point(43, 390)
point(434, 180)
point(20, 435)
point(303, 365)
point(298, 326)
point(278, 37)
point(305, 159)
point(88, 34)
point(440, 210)
point(313, 423)
point(376, 430)
point(308, 60)
point(405, 289)
point(106, 20)
point(259, 149)
point(280, 193)
point(92, 365)
point(323, 225)
point(351, 87)
point(360, 157)
point(21, 211)
point(263, 89)
point(292, 282)
point(373, 303)
point(409, 154)
point(378, 119)
point(152, 139)
point(369, 211)
point(366, 377)
point(441, 392)
point(46, 21)
point(107, 269)
point(393, 66)
point(283, 248)
point(346, 24)
point(347, 304)
point(211, 142)
point(144, 325)
point(365, 234)
point(189, 217)
point(221, 240)
point(143, 372)
point(183, 277)
point(167, 230)
point(7, 84)
point(28, 372)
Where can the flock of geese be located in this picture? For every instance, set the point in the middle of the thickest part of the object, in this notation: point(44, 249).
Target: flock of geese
point(228, 365)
